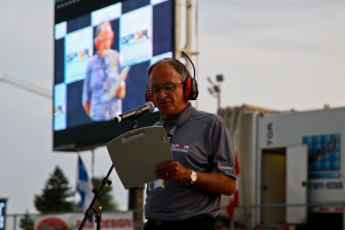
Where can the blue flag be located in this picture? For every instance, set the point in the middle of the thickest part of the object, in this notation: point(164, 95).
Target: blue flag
point(84, 187)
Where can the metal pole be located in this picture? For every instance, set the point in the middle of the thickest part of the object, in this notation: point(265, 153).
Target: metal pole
point(14, 222)
point(197, 46)
point(188, 46)
point(92, 163)
point(177, 29)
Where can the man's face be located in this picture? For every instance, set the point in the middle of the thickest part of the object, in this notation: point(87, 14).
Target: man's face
point(105, 39)
point(169, 104)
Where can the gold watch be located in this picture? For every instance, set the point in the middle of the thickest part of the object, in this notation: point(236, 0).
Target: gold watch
point(193, 177)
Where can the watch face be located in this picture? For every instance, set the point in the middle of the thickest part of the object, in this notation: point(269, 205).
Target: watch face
point(193, 176)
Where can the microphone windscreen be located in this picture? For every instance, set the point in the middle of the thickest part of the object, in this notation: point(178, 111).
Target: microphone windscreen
point(151, 106)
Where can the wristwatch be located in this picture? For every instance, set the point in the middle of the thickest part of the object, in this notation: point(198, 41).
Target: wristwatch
point(193, 177)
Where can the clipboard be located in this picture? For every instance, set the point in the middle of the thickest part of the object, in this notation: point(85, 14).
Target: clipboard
point(135, 154)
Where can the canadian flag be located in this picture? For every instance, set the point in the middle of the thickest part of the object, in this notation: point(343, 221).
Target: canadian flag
point(234, 199)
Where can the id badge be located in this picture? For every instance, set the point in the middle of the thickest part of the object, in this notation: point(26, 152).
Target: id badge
point(155, 185)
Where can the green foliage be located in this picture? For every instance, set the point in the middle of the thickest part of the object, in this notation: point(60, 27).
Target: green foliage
point(26, 222)
point(106, 198)
point(55, 195)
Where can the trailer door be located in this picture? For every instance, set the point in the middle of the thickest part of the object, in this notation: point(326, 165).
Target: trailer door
point(296, 184)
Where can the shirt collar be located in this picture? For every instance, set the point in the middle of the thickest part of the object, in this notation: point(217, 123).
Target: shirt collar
point(180, 118)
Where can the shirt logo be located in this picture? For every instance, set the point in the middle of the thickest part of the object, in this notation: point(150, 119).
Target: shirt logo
point(179, 148)
point(223, 167)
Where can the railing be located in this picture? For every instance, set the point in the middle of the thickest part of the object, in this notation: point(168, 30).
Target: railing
point(12, 221)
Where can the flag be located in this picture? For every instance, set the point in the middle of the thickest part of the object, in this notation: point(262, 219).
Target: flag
point(84, 187)
point(234, 199)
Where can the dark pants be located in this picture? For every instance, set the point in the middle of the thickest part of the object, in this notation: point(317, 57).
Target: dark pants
point(199, 223)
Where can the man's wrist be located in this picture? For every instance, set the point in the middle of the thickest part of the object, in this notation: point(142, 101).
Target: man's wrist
point(192, 177)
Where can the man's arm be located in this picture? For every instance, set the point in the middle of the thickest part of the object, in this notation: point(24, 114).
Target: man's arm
point(86, 89)
point(118, 89)
point(215, 183)
point(87, 108)
point(208, 181)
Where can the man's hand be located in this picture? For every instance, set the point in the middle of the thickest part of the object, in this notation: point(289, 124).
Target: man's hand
point(208, 181)
point(86, 107)
point(121, 91)
point(173, 171)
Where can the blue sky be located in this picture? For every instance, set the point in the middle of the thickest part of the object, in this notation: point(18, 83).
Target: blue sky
point(274, 54)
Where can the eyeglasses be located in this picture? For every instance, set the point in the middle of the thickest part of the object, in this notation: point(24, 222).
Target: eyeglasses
point(104, 40)
point(169, 88)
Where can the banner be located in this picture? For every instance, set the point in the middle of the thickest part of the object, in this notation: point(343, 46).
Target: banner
point(72, 221)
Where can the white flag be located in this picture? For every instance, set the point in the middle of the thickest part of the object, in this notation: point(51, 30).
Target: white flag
point(84, 186)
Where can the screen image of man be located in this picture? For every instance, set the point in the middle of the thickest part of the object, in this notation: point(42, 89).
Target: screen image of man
point(104, 86)
point(188, 190)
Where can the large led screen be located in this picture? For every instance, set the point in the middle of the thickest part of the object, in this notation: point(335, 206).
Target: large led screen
point(102, 50)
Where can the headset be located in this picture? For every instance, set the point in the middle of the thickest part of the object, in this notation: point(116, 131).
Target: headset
point(191, 91)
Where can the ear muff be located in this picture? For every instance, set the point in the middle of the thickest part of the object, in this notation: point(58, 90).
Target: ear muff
point(148, 96)
point(191, 91)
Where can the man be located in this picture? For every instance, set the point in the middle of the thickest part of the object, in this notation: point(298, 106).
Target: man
point(104, 84)
point(188, 191)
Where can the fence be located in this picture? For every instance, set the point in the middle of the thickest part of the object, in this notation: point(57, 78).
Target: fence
point(255, 217)
point(12, 221)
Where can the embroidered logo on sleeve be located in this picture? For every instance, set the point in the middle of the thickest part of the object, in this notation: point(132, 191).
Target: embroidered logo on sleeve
point(179, 148)
point(224, 167)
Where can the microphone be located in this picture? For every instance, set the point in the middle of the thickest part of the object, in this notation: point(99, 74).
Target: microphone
point(135, 113)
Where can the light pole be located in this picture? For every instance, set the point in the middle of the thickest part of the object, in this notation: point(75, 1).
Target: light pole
point(215, 90)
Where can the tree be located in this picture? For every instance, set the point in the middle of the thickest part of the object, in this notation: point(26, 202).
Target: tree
point(106, 198)
point(55, 195)
point(27, 222)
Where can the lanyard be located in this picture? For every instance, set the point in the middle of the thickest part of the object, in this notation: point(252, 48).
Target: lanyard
point(171, 132)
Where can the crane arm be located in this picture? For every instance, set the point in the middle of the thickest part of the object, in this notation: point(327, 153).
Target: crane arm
point(26, 85)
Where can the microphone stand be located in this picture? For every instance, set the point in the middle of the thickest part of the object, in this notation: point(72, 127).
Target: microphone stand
point(95, 205)
point(134, 119)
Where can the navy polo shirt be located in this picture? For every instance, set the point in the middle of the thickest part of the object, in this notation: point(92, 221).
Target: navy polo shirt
point(200, 142)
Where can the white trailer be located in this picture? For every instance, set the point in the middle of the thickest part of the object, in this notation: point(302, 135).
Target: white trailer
point(292, 160)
